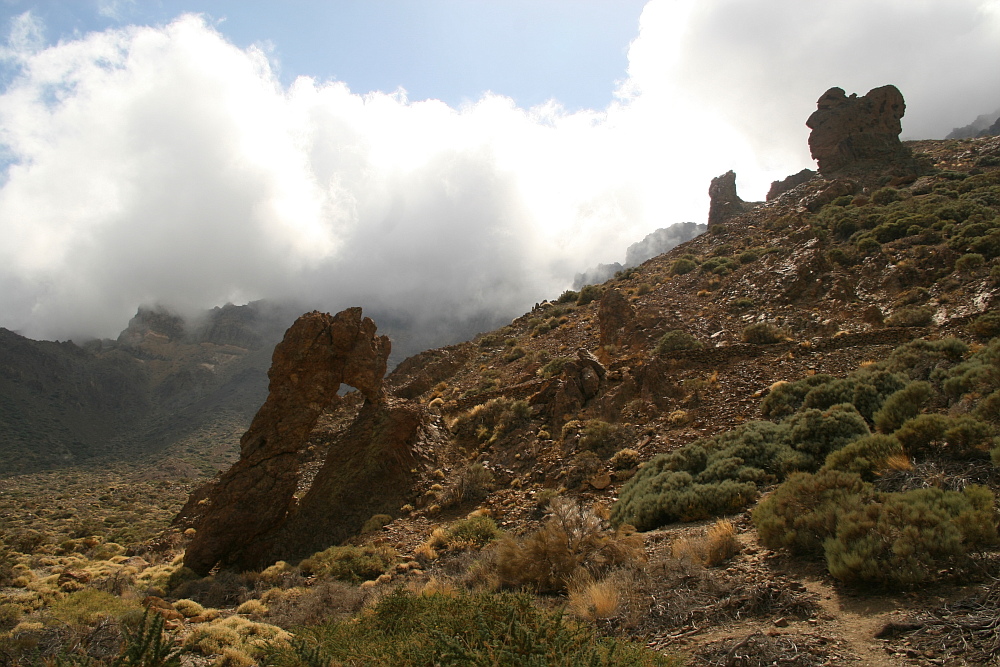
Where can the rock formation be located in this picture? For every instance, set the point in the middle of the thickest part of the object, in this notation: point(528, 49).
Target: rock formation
point(616, 318)
point(857, 131)
point(579, 382)
point(779, 188)
point(725, 203)
point(317, 354)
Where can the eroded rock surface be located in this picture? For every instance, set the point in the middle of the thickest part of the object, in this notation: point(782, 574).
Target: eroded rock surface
point(724, 203)
point(616, 318)
point(848, 131)
point(580, 381)
point(317, 354)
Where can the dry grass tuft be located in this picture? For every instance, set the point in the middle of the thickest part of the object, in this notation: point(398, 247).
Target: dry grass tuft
point(899, 462)
point(595, 600)
point(716, 546)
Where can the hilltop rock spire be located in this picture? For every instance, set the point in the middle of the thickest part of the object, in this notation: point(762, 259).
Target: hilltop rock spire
point(852, 131)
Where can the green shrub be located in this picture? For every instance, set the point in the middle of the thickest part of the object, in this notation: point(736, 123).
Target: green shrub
point(491, 420)
point(919, 316)
point(624, 459)
point(719, 266)
point(147, 645)
point(376, 522)
point(868, 246)
point(553, 367)
point(475, 482)
point(902, 405)
point(906, 538)
point(885, 196)
point(722, 474)
point(588, 294)
point(500, 629)
point(922, 435)
point(473, 532)
point(568, 296)
point(683, 265)
point(603, 438)
point(987, 325)
point(675, 340)
point(802, 513)
point(349, 563)
point(989, 408)
point(919, 359)
point(867, 456)
point(762, 333)
point(969, 262)
point(967, 437)
point(980, 373)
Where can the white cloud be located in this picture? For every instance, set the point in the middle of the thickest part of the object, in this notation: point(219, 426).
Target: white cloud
point(167, 165)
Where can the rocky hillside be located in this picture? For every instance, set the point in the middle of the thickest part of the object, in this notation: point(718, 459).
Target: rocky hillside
point(774, 444)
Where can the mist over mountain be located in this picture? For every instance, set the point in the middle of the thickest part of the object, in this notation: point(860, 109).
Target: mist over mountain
point(164, 164)
point(985, 125)
point(656, 243)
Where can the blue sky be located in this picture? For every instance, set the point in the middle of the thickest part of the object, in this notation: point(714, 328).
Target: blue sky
point(453, 50)
point(261, 150)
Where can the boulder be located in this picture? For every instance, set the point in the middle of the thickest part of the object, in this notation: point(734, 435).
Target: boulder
point(580, 381)
point(318, 353)
point(857, 131)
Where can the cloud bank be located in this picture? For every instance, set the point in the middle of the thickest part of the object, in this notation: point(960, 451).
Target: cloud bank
point(165, 165)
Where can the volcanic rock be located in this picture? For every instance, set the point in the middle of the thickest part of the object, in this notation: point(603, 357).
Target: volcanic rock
point(616, 317)
point(857, 131)
point(317, 354)
point(580, 381)
point(725, 202)
point(778, 188)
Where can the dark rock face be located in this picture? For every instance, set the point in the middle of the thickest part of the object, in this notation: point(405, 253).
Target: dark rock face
point(318, 353)
point(778, 188)
point(616, 317)
point(579, 382)
point(848, 131)
point(367, 471)
point(725, 203)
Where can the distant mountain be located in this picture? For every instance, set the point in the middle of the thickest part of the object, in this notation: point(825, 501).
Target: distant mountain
point(987, 125)
point(162, 381)
point(662, 240)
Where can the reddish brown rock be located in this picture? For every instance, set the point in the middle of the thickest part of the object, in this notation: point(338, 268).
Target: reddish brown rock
point(318, 353)
point(616, 318)
point(580, 381)
point(779, 188)
point(724, 201)
point(857, 131)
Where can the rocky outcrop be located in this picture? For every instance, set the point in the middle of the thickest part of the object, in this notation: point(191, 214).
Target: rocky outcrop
point(580, 381)
point(318, 353)
point(616, 317)
point(369, 469)
point(838, 188)
point(857, 131)
point(779, 188)
point(724, 202)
